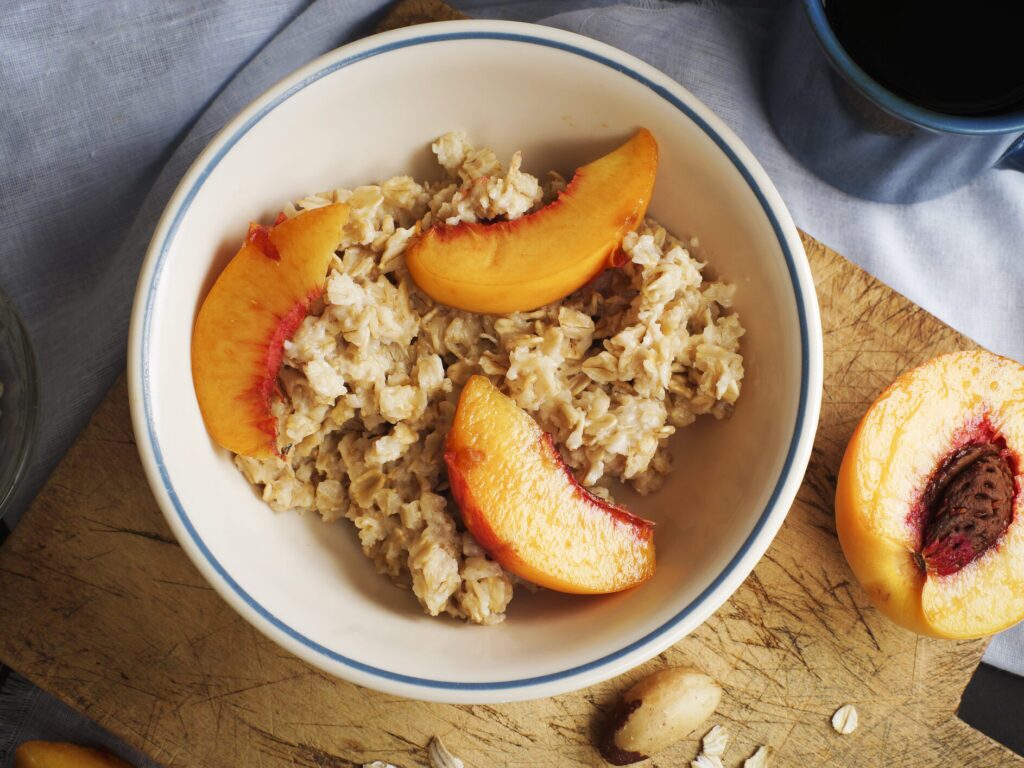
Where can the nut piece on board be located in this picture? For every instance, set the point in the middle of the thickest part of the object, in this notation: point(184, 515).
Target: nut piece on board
point(658, 711)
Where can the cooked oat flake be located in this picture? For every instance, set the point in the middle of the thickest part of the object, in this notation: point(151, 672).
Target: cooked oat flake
point(440, 757)
point(845, 719)
point(704, 760)
point(715, 742)
point(759, 759)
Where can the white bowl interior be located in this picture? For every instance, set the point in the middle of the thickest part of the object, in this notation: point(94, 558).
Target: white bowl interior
point(375, 118)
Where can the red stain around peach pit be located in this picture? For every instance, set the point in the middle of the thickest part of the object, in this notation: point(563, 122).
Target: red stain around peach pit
point(978, 431)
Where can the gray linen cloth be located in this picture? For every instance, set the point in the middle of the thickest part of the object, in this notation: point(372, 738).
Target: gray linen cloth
point(105, 103)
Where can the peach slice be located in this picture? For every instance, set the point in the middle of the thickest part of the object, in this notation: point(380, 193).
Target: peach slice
point(512, 266)
point(929, 504)
point(46, 754)
point(254, 306)
point(526, 509)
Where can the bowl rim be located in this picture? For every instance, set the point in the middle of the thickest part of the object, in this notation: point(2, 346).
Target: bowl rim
point(22, 342)
point(590, 671)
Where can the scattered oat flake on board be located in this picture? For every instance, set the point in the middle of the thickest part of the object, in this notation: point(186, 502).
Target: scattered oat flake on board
point(845, 719)
point(440, 757)
point(715, 741)
point(379, 764)
point(705, 760)
point(759, 759)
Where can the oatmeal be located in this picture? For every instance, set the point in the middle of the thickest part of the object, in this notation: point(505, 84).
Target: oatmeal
point(372, 376)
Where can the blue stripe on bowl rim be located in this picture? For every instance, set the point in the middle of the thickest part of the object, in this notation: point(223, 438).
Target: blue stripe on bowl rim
point(497, 684)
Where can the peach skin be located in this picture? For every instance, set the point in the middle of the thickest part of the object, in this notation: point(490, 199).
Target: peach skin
point(928, 503)
point(256, 304)
point(512, 266)
point(526, 509)
point(46, 754)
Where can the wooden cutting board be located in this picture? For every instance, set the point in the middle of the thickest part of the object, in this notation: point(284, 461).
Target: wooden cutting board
point(101, 607)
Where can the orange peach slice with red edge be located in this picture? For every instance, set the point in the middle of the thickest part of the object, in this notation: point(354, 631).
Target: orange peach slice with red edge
point(512, 266)
point(255, 305)
point(46, 754)
point(526, 509)
point(929, 504)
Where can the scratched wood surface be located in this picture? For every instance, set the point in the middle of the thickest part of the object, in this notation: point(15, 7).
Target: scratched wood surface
point(102, 608)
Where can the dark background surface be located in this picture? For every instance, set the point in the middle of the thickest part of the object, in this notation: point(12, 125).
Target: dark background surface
point(992, 704)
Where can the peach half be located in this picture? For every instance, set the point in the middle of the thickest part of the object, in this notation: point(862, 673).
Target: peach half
point(514, 266)
point(46, 754)
point(928, 503)
point(255, 305)
point(526, 509)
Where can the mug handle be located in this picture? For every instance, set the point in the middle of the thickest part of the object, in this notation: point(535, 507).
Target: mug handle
point(1013, 158)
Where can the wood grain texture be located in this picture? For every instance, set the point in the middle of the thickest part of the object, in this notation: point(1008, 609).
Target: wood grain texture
point(101, 607)
point(408, 13)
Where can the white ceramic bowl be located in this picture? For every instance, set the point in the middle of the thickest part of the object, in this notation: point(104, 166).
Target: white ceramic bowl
point(363, 113)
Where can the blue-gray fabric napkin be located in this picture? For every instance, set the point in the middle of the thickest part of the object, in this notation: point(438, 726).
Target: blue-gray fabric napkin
point(105, 103)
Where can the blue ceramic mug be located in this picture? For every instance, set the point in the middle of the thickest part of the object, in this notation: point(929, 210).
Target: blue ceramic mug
point(861, 137)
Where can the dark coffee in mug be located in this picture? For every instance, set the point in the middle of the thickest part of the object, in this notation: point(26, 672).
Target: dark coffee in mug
point(960, 58)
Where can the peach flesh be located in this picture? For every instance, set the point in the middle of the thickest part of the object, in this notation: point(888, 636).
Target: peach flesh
point(47, 754)
point(513, 266)
point(527, 510)
point(260, 237)
point(460, 461)
point(256, 304)
point(265, 386)
point(889, 498)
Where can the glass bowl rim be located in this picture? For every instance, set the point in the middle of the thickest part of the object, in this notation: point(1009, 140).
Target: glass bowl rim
point(17, 332)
